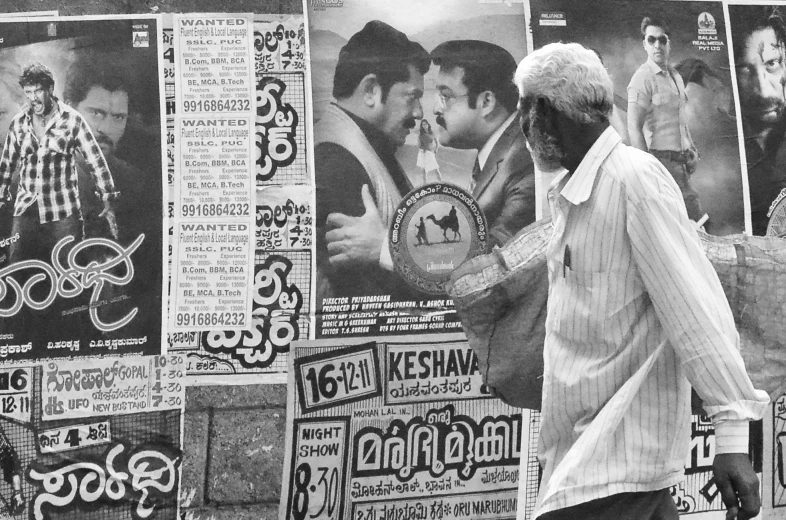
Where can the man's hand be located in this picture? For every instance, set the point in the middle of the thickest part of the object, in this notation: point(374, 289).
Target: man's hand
point(17, 502)
point(353, 240)
point(691, 160)
point(738, 485)
point(109, 215)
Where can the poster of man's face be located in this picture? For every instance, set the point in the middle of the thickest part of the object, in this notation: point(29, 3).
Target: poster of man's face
point(669, 60)
point(378, 70)
point(429, 24)
point(94, 84)
point(759, 36)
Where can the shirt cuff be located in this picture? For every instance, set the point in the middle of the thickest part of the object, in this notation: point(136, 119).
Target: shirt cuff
point(385, 260)
point(731, 436)
point(110, 195)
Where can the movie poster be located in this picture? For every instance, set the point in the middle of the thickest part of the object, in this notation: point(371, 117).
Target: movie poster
point(89, 287)
point(685, 115)
point(401, 430)
point(425, 131)
point(94, 440)
point(758, 31)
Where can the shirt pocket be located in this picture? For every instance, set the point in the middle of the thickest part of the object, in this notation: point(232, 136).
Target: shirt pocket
point(662, 98)
point(579, 304)
point(29, 145)
point(58, 142)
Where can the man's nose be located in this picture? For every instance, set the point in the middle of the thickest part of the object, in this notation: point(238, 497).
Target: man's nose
point(417, 112)
point(767, 85)
point(100, 124)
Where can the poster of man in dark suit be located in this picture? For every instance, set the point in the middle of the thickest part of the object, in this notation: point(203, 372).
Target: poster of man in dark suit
point(353, 216)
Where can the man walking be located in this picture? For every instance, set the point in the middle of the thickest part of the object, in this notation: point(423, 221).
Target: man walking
point(636, 315)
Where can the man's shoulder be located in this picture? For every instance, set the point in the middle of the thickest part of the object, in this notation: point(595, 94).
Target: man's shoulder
point(71, 118)
point(625, 158)
point(639, 172)
point(327, 153)
point(333, 162)
point(19, 119)
point(519, 153)
point(70, 112)
point(513, 148)
point(22, 114)
point(642, 75)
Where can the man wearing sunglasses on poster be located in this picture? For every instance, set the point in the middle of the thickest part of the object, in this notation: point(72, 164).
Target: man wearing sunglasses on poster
point(656, 113)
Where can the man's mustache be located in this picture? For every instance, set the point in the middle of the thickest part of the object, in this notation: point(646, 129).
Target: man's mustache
point(765, 104)
point(104, 139)
point(441, 122)
point(410, 124)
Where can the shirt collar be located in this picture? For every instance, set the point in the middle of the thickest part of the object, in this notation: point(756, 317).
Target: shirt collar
point(655, 68)
point(579, 187)
point(484, 152)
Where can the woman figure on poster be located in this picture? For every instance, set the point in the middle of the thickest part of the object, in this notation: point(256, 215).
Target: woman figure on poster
point(427, 153)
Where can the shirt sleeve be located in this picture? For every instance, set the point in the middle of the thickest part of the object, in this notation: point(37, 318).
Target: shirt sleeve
point(640, 90)
point(339, 179)
point(96, 163)
point(9, 161)
point(693, 310)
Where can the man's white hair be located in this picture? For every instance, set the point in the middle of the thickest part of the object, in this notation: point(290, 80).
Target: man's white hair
point(569, 76)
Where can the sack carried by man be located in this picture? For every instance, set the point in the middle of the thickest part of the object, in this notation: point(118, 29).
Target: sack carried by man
point(501, 299)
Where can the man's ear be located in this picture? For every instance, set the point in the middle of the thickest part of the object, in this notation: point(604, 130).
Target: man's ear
point(371, 89)
point(486, 102)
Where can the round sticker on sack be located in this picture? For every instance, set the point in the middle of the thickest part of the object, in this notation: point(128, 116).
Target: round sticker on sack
point(435, 229)
point(776, 226)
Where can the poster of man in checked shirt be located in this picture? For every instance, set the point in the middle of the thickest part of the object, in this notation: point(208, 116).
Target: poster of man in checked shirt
point(81, 183)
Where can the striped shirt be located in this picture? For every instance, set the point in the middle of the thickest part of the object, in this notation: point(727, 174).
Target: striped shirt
point(48, 168)
point(635, 312)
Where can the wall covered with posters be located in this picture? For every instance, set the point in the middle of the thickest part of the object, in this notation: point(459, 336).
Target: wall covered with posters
point(90, 423)
point(279, 344)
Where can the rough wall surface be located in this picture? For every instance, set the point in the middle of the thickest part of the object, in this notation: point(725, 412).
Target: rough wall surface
point(233, 436)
